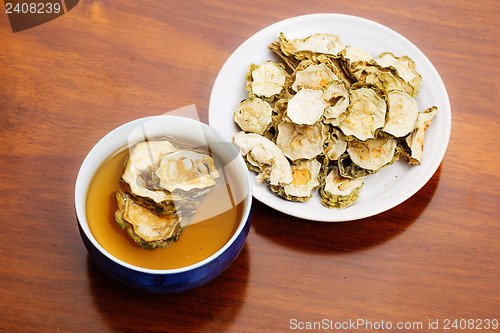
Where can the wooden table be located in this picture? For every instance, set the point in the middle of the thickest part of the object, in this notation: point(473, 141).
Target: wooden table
point(66, 83)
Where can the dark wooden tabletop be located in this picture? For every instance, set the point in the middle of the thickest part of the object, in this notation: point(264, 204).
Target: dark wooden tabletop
point(66, 83)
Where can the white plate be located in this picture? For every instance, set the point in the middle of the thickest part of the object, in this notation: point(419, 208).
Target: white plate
point(391, 185)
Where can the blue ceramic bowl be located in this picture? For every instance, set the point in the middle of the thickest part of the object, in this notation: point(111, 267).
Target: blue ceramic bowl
point(171, 280)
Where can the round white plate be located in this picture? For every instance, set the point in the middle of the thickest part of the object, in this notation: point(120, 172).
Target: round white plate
point(391, 185)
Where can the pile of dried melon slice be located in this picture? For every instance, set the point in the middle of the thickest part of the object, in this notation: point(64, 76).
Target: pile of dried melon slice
point(328, 117)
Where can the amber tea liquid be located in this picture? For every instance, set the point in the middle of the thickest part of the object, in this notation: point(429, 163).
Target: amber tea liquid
point(198, 241)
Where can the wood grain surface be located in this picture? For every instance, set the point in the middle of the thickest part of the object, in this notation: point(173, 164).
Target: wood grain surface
point(66, 83)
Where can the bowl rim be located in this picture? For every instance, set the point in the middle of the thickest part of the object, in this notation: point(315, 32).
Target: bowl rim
point(81, 185)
